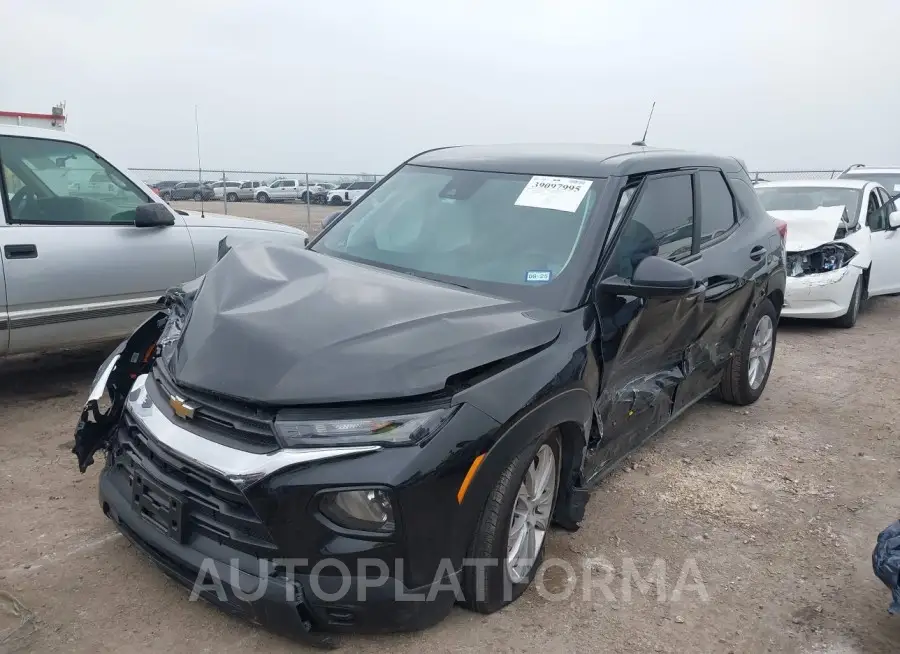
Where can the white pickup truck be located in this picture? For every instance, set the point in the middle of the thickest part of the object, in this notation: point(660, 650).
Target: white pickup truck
point(86, 263)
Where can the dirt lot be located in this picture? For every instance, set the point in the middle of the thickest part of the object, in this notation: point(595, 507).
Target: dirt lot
point(776, 506)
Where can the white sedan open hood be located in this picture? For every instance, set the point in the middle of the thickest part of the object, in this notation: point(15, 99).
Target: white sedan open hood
point(810, 229)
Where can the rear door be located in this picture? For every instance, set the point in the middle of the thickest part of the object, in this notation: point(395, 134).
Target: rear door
point(642, 343)
point(77, 269)
point(884, 276)
point(730, 250)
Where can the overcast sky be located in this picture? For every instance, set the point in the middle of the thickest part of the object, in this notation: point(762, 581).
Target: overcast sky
point(358, 85)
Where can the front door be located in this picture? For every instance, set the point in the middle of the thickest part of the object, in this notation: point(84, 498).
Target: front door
point(77, 269)
point(642, 342)
point(884, 277)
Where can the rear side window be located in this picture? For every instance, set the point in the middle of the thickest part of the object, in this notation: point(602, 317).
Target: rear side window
point(716, 205)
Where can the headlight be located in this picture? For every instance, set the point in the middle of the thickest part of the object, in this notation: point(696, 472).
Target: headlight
point(367, 509)
point(403, 429)
point(822, 259)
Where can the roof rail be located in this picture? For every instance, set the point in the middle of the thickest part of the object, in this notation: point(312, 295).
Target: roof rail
point(849, 168)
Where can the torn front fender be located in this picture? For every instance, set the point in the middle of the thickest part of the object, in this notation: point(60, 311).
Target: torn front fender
point(115, 377)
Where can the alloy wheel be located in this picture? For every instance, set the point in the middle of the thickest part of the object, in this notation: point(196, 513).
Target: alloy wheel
point(530, 517)
point(760, 352)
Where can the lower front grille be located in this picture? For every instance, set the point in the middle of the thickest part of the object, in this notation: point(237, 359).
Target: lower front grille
point(212, 505)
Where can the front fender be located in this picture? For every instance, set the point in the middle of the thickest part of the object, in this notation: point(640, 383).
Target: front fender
point(570, 410)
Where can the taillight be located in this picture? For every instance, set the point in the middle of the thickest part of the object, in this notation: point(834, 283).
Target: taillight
point(781, 226)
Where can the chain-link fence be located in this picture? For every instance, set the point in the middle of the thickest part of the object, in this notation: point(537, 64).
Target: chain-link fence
point(781, 175)
point(303, 199)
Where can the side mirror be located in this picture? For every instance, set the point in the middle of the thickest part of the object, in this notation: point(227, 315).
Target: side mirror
point(894, 219)
point(653, 277)
point(153, 214)
point(330, 218)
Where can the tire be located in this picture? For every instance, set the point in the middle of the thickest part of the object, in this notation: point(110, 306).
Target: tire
point(198, 197)
point(165, 195)
point(494, 583)
point(336, 201)
point(232, 197)
point(262, 197)
point(848, 320)
point(303, 197)
point(739, 384)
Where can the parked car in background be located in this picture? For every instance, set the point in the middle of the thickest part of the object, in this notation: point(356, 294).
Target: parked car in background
point(842, 246)
point(165, 188)
point(450, 368)
point(888, 177)
point(247, 190)
point(320, 196)
point(219, 190)
point(89, 268)
point(280, 190)
point(348, 192)
point(189, 191)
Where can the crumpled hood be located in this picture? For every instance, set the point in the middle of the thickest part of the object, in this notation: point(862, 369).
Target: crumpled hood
point(282, 325)
point(810, 229)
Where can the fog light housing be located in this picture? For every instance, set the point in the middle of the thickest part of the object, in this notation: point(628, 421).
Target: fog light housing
point(366, 509)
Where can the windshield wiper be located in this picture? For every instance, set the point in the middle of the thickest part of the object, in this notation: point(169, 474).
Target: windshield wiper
point(434, 278)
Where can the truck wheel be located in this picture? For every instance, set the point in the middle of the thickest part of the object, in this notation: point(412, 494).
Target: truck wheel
point(336, 201)
point(262, 197)
point(232, 197)
point(748, 370)
point(511, 530)
point(166, 196)
point(198, 197)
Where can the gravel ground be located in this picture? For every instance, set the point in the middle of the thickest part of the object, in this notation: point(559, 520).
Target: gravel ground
point(760, 523)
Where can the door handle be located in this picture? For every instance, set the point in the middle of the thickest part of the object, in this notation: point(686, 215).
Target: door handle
point(20, 251)
point(757, 253)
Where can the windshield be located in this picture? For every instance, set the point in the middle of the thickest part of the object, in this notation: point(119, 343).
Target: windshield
point(467, 227)
point(890, 181)
point(809, 198)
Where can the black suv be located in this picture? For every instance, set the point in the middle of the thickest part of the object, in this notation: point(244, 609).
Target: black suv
point(187, 191)
point(388, 422)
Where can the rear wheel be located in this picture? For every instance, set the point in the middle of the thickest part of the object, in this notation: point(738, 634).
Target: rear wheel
point(166, 196)
point(511, 530)
point(262, 197)
point(848, 320)
point(748, 370)
point(232, 197)
point(197, 197)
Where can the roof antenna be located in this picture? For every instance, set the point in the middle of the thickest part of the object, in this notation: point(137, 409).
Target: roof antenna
point(199, 167)
point(643, 142)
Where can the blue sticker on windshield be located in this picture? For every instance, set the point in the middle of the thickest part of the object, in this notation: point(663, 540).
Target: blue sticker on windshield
point(537, 276)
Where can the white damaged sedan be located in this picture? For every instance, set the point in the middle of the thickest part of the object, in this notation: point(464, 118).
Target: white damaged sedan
point(842, 245)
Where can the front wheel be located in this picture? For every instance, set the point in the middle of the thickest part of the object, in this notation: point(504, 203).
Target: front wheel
point(511, 531)
point(336, 201)
point(748, 370)
point(848, 320)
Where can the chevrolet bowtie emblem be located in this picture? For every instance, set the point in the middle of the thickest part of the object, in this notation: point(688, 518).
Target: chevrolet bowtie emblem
point(181, 408)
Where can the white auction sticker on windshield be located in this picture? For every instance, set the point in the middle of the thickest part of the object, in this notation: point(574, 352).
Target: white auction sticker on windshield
point(559, 193)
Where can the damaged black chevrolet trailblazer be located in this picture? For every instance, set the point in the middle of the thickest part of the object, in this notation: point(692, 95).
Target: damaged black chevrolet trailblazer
point(387, 422)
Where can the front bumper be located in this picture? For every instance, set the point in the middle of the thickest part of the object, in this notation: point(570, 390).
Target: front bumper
point(207, 513)
point(294, 607)
point(823, 295)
